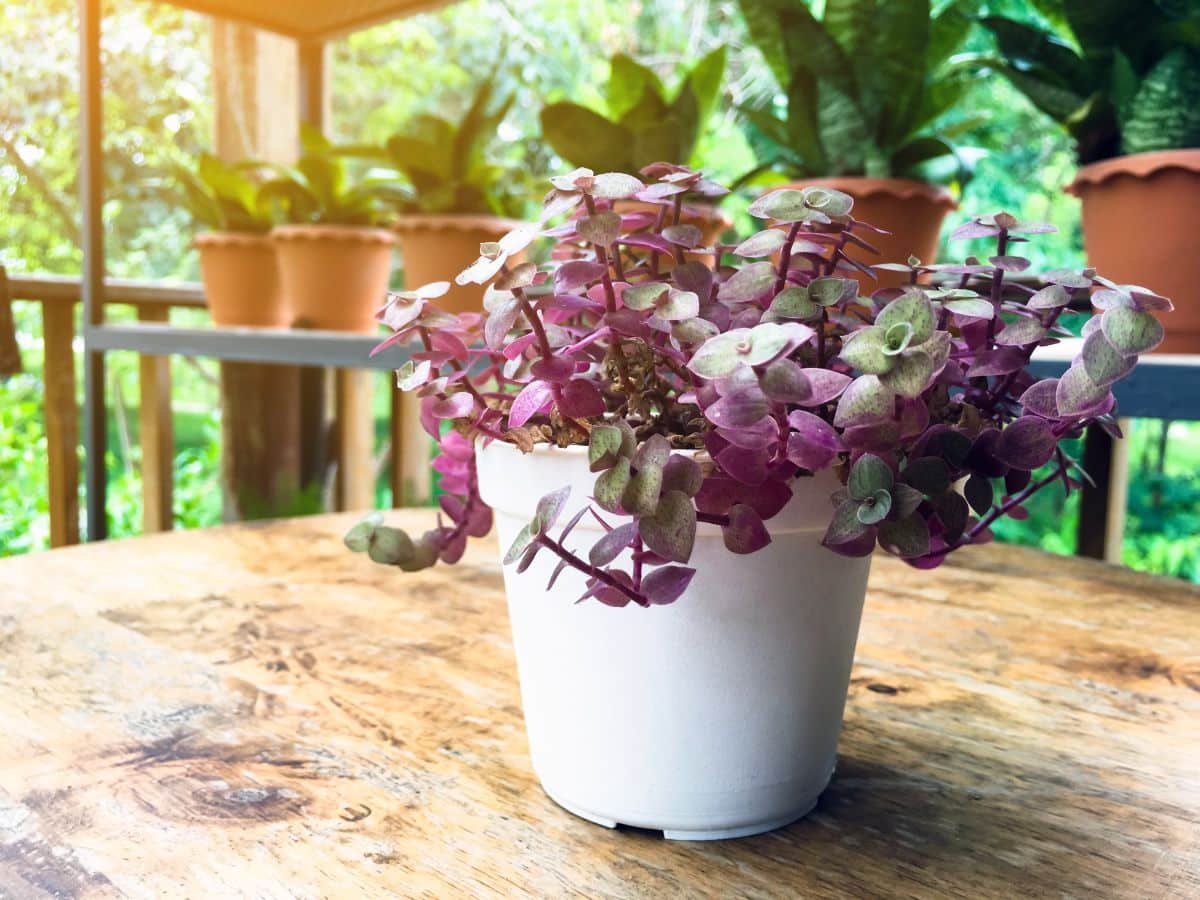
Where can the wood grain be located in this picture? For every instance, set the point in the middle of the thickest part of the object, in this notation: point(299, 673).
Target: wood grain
point(252, 711)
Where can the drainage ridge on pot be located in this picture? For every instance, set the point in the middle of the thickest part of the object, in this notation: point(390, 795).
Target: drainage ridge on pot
point(716, 716)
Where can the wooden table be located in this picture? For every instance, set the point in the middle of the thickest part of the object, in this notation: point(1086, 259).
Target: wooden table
point(251, 710)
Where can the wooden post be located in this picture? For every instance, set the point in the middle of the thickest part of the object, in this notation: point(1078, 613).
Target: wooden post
point(255, 83)
point(355, 467)
point(62, 420)
point(1102, 508)
point(156, 433)
point(10, 352)
point(411, 475)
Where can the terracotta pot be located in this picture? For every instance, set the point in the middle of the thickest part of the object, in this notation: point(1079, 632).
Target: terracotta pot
point(711, 221)
point(1141, 225)
point(241, 279)
point(334, 277)
point(911, 210)
point(438, 247)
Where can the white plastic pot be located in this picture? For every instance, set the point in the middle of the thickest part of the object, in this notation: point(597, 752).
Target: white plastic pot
point(714, 717)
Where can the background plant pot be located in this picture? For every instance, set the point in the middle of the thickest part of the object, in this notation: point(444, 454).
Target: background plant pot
point(711, 221)
point(438, 247)
point(1117, 193)
point(717, 716)
point(334, 277)
point(241, 279)
point(912, 211)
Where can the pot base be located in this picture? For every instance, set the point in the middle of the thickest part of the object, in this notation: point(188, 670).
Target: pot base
point(699, 834)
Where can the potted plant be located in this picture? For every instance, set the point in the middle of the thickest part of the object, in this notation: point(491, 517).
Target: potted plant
point(461, 198)
point(644, 125)
point(1124, 80)
point(334, 255)
point(237, 261)
point(676, 418)
point(867, 89)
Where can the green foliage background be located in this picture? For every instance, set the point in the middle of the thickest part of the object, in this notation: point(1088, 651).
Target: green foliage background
point(158, 108)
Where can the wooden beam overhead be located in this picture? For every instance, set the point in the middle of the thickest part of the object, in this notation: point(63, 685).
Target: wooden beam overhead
point(310, 20)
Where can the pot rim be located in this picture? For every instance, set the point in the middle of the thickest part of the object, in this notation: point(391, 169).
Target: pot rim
point(781, 523)
point(363, 234)
point(455, 222)
point(231, 239)
point(1135, 165)
point(863, 186)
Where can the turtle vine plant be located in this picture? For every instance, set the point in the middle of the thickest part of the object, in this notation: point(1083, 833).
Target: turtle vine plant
point(705, 391)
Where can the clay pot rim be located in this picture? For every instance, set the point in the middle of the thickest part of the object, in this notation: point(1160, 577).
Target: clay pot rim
point(362, 234)
point(455, 222)
point(862, 186)
point(1135, 165)
point(231, 239)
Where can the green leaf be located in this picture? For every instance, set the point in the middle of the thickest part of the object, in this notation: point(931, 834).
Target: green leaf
point(865, 351)
point(868, 475)
point(640, 497)
point(912, 307)
point(1028, 48)
point(585, 138)
point(917, 151)
point(520, 544)
point(390, 547)
point(907, 537)
point(671, 530)
point(1165, 112)
point(610, 486)
point(704, 81)
point(910, 374)
point(865, 400)
point(891, 67)
point(874, 509)
point(604, 447)
point(627, 81)
point(358, 538)
point(1130, 331)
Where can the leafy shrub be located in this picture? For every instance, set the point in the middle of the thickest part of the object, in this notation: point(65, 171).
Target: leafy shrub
point(1122, 76)
point(866, 88)
point(642, 123)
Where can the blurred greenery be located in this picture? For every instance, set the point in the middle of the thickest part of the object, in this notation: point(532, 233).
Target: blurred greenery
point(158, 109)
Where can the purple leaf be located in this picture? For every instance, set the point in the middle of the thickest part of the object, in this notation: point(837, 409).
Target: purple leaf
point(580, 399)
point(1002, 361)
point(1039, 398)
point(743, 464)
point(813, 443)
point(907, 537)
point(575, 274)
point(455, 406)
point(667, 584)
point(1076, 393)
point(682, 473)
point(1101, 360)
point(533, 399)
point(739, 409)
point(864, 401)
point(613, 544)
point(745, 532)
point(556, 369)
point(1026, 443)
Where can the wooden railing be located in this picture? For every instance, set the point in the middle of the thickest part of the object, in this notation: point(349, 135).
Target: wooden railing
point(58, 297)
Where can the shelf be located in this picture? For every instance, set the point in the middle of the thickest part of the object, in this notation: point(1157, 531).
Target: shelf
point(282, 346)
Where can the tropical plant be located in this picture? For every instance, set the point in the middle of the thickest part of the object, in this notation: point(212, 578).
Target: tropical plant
point(219, 197)
point(319, 189)
point(1122, 76)
point(641, 124)
point(703, 392)
point(448, 165)
point(865, 88)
